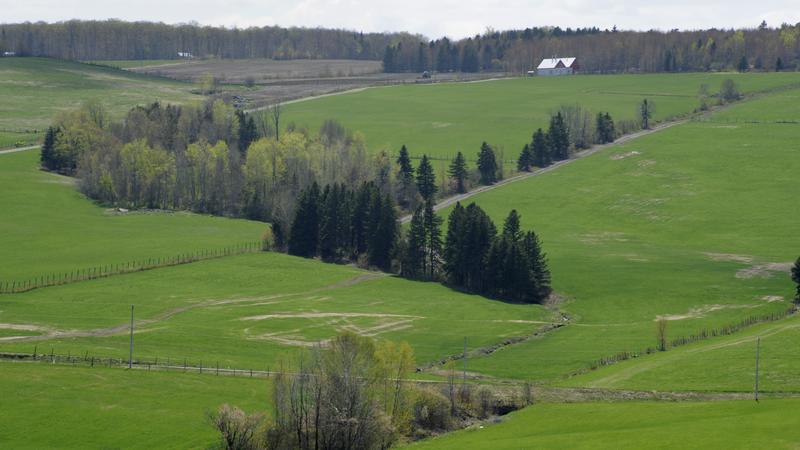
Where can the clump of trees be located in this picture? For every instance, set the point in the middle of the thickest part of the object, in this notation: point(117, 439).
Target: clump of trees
point(354, 393)
point(547, 147)
point(340, 224)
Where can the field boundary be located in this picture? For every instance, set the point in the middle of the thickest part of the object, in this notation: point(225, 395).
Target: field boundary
point(108, 270)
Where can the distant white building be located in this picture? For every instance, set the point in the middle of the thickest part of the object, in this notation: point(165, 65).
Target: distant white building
point(185, 55)
point(9, 54)
point(557, 66)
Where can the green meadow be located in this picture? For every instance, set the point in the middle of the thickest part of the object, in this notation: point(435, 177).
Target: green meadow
point(635, 425)
point(692, 224)
point(36, 90)
point(442, 119)
point(54, 406)
point(48, 227)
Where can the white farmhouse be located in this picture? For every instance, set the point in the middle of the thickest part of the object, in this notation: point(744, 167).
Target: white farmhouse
point(557, 66)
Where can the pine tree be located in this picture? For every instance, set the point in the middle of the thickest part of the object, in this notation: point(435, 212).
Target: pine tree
point(540, 149)
point(48, 155)
point(247, 131)
point(330, 222)
point(538, 266)
point(405, 174)
point(383, 235)
point(433, 240)
point(558, 137)
point(359, 220)
point(487, 164)
point(525, 159)
point(796, 279)
point(453, 246)
point(304, 235)
point(426, 179)
point(778, 64)
point(511, 227)
point(278, 238)
point(743, 66)
point(458, 172)
point(645, 113)
point(414, 258)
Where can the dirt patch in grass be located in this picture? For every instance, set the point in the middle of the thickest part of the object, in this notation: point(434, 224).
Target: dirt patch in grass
point(620, 156)
point(603, 237)
point(318, 315)
point(765, 270)
point(772, 298)
point(701, 311)
point(729, 257)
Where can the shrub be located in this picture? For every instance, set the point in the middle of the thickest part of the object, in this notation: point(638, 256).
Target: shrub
point(431, 411)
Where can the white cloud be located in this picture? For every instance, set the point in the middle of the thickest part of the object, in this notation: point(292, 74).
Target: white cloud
point(432, 18)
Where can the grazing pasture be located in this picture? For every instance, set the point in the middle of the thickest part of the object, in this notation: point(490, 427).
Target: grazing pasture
point(690, 224)
point(635, 425)
point(36, 90)
point(440, 120)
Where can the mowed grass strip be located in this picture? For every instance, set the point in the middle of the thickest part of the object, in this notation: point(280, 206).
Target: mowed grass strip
point(692, 224)
point(634, 425)
point(442, 119)
point(55, 406)
point(48, 227)
point(251, 311)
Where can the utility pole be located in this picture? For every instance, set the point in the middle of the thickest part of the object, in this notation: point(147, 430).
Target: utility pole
point(130, 355)
point(758, 347)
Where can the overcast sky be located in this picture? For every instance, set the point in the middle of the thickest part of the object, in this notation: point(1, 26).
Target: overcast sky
point(433, 18)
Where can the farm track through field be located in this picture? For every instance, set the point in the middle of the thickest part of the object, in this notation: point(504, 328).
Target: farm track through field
point(21, 149)
point(166, 315)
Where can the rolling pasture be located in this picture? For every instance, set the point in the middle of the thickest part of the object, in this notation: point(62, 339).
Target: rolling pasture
point(439, 120)
point(634, 425)
point(36, 90)
point(691, 224)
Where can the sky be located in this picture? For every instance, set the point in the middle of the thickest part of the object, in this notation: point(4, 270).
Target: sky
point(431, 18)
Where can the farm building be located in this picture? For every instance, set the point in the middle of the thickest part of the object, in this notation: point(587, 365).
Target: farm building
point(557, 66)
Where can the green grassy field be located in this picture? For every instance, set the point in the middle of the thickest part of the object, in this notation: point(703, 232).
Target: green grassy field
point(130, 64)
point(722, 364)
point(248, 311)
point(36, 90)
point(443, 119)
point(636, 425)
point(81, 407)
point(49, 227)
point(691, 223)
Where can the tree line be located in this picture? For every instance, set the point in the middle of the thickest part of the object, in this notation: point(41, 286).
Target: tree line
point(516, 51)
point(604, 51)
point(115, 39)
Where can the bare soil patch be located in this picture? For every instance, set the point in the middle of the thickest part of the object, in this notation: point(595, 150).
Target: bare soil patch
point(619, 156)
point(763, 270)
point(701, 311)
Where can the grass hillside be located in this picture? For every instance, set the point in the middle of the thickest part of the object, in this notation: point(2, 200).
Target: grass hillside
point(692, 224)
point(84, 407)
point(49, 227)
point(635, 425)
point(442, 119)
point(249, 311)
point(36, 90)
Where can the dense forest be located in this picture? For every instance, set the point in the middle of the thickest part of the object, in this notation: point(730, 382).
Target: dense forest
point(516, 51)
point(114, 39)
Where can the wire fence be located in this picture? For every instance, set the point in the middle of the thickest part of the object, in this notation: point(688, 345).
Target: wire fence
point(106, 270)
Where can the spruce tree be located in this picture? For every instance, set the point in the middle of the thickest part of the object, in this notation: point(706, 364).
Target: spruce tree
point(433, 240)
point(458, 172)
point(511, 227)
point(540, 149)
point(538, 266)
point(48, 155)
point(359, 220)
point(796, 279)
point(453, 246)
point(743, 66)
point(778, 64)
point(645, 113)
point(330, 223)
point(406, 177)
point(414, 258)
point(558, 137)
point(383, 236)
point(304, 235)
point(487, 164)
point(426, 179)
point(525, 159)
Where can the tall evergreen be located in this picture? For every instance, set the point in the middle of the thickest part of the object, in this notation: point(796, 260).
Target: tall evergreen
point(743, 66)
point(405, 173)
point(359, 219)
point(304, 235)
point(778, 64)
point(458, 172)
point(383, 232)
point(540, 149)
point(247, 131)
point(606, 132)
point(48, 155)
point(558, 137)
point(333, 222)
point(487, 164)
point(525, 160)
point(426, 179)
point(511, 227)
point(454, 256)
point(413, 263)
point(433, 240)
point(538, 266)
